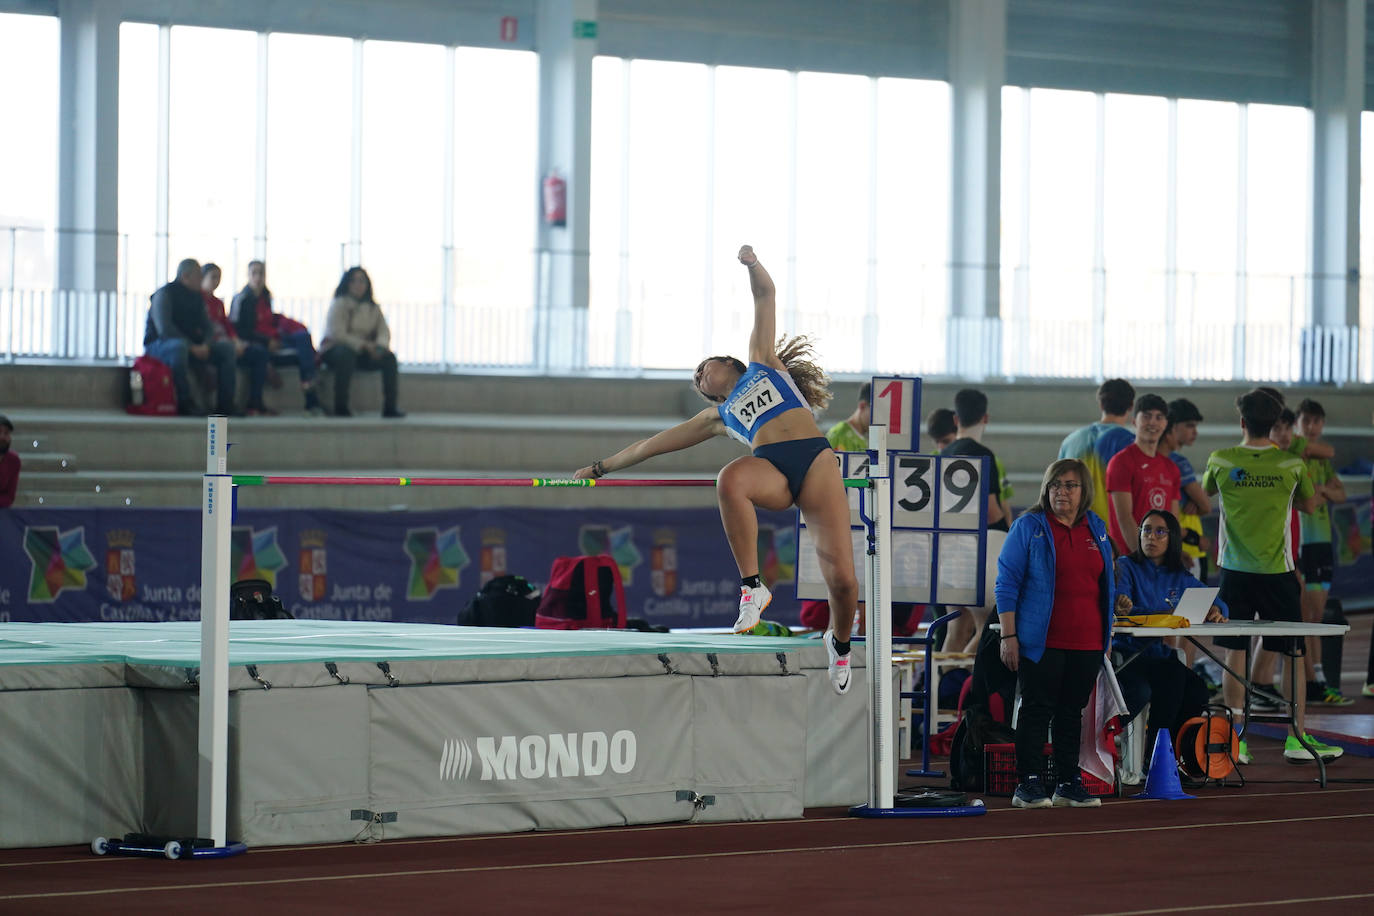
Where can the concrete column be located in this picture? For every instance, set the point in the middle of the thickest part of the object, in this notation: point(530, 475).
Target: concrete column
point(87, 146)
point(1338, 61)
point(565, 37)
point(977, 69)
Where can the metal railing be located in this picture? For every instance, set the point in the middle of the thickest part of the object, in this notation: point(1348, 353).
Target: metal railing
point(663, 315)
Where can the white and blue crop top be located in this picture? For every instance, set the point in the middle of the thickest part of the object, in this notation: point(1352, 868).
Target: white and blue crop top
point(761, 394)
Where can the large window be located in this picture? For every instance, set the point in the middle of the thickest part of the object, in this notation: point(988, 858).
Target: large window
point(494, 203)
point(912, 223)
point(143, 264)
point(839, 182)
point(403, 172)
point(213, 152)
point(1367, 246)
point(752, 201)
point(1208, 242)
point(1062, 203)
point(309, 167)
point(28, 207)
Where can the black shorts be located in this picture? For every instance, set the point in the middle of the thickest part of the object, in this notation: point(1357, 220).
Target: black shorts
point(1318, 564)
point(1263, 596)
point(793, 458)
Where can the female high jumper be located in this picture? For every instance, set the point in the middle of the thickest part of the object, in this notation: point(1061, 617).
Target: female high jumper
point(767, 405)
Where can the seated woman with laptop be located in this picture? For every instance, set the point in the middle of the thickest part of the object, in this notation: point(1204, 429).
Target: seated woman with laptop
point(1154, 580)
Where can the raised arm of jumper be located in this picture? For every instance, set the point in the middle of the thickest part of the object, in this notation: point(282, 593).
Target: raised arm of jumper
point(764, 334)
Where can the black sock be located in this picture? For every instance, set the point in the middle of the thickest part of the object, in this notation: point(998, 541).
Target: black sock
point(841, 648)
point(751, 581)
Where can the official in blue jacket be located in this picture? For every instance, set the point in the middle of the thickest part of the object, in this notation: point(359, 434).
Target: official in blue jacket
point(1151, 581)
point(1055, 593)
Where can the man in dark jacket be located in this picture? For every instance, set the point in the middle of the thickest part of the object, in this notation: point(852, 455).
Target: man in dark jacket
point(178, 331)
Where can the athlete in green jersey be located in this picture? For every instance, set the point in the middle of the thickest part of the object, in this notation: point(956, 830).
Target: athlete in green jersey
point(1257, 486)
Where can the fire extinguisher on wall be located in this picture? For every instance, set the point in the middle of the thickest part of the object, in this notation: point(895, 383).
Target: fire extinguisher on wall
point(555, 200)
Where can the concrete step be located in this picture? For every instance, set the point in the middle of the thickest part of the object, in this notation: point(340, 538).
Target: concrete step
point(659, 393)
point(486, 442)
point(47, 461)
point(87, 387)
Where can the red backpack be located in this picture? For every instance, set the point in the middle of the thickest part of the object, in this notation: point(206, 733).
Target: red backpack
point(579, 595)
point(151, 390)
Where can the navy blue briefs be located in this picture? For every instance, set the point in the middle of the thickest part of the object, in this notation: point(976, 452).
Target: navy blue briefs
point(793, 458)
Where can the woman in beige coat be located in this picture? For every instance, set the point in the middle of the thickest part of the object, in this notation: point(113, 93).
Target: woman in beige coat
point(357, 337)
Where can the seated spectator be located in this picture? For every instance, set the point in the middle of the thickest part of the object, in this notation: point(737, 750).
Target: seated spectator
point(357, 337)
point(286, 341)
point(851, 433)
point(250, 356)
point(179, 334)
point(941, 429)
point(1152, 581)
point(9, 464)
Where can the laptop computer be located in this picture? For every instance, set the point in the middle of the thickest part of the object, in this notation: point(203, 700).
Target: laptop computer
point(1195, 603)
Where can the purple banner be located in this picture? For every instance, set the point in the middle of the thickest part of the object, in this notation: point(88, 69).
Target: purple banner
point(68, 565)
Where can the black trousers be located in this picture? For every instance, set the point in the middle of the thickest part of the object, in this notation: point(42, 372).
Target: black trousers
point(343, 360)
point(1054, 691)
point(1175, 693)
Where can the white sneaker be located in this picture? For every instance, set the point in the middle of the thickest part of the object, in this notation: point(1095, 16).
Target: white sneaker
point(839, 664)
point(752, 603)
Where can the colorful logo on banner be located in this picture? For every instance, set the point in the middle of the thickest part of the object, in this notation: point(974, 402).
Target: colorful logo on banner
point(663, 563)
point(594, 540)
point(58, 560)
point(493, 554)
point(120, 584)
point(311, 582)
point(777, 555)
point(437, 559)
point(254, 554)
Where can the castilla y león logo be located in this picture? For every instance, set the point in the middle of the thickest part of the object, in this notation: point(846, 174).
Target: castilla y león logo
point(254, 554)
point(437, 559)
point(120, 583)
point(58, 560)
point(554, 756)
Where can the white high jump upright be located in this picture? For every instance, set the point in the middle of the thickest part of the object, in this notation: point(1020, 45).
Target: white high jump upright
point(876, 505)
point(217, 507)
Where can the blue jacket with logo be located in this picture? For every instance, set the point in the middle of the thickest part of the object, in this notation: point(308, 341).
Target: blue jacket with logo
point(1025, 579)
point(1153, 590)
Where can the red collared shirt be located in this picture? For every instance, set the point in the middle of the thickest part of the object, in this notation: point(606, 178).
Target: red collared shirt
point(1076, 619)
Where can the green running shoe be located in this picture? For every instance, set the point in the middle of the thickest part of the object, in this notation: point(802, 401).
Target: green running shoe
point(1294, 751)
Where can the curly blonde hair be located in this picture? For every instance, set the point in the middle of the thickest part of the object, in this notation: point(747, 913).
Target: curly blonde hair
point(797, 356)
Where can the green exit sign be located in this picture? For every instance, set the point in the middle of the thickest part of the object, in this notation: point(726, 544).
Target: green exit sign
point(584, 28)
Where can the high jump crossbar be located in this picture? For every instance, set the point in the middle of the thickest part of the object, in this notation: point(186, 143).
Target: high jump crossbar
point(260, 480)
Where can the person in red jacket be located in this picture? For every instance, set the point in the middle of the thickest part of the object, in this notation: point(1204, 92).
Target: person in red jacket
point(286, 340)
point(9, 465)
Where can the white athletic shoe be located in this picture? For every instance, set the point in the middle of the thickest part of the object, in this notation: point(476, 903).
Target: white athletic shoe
point(752, 603)
point(839, 664)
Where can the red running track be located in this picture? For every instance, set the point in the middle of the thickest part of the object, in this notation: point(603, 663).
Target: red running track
point(1286, 848)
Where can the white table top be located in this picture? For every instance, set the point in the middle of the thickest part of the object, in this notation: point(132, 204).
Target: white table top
point(1239, 628)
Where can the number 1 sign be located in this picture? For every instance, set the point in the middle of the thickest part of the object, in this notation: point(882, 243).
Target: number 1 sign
point(896, 401)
